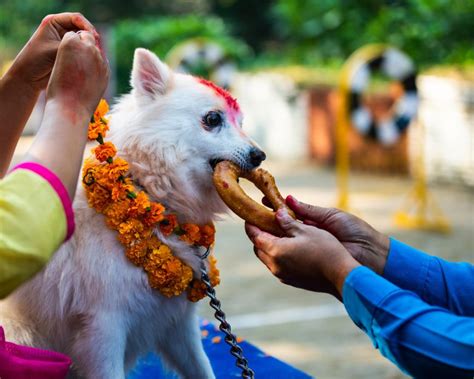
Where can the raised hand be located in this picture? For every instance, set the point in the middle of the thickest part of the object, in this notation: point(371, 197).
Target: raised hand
point(34, 63)
point(80, 75)
point(77, 82)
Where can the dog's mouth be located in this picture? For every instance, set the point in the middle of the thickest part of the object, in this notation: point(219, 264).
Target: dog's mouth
point(214, 161)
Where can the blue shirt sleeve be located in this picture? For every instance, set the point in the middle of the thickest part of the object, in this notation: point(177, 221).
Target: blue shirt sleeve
point(434, 280)
point(424, 341)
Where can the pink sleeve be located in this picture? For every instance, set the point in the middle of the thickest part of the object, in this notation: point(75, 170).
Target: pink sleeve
point(58, 186)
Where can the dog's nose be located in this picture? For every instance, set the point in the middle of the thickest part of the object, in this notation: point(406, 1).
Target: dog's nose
point(257, 156)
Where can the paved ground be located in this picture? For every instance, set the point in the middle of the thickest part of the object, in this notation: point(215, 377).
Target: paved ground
point(311, 331)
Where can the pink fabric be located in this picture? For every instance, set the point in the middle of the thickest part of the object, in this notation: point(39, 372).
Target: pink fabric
point(58, 186)
point(21, 362)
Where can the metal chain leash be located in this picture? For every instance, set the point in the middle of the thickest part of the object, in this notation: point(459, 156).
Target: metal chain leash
point(224, 326)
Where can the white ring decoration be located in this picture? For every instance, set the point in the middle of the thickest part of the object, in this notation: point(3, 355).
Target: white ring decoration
point(189, 55)
point(397, 66)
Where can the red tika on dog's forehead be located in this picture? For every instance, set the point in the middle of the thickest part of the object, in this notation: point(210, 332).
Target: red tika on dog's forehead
point(229, 99)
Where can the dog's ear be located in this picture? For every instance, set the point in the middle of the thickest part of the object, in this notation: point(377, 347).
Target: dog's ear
point(150, 76)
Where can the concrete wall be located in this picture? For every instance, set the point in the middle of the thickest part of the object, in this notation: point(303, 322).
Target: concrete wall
point(447, 115)
point(275, 113)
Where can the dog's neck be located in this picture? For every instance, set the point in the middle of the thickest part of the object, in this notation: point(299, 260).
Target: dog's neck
point(176, 186)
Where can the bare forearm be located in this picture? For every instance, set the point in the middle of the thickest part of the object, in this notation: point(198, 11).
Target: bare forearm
point(17, 99)
point(61, 149)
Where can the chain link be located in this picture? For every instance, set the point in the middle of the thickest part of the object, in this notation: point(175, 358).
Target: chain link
point(235, 349)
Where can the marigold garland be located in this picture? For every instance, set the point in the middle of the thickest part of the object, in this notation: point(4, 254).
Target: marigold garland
point(129, 211)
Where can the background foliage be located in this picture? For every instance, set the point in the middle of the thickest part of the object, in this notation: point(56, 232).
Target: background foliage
point(265, 32)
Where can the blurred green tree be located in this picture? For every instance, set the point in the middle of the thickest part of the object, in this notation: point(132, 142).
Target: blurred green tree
point(19, 18)
point(161, 34)
point(430, 31)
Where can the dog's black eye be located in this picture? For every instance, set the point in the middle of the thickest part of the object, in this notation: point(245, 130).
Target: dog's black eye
point(212, 119)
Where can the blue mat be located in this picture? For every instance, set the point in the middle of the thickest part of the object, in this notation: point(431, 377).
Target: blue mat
point(222, 362)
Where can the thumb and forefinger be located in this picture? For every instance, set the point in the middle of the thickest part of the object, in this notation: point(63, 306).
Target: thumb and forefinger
point(261, 239)
point(310, 214)
point(68, 21)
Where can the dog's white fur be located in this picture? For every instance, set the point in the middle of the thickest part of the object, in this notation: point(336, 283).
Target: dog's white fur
point(90, 302)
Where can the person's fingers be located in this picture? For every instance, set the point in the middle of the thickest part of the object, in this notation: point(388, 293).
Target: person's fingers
point(265, 259)
point(310, 222)
point(87, 37)
point(68, 37)
point(71, 21)
point(262, 240)
point(289, 225)
point(307, 211)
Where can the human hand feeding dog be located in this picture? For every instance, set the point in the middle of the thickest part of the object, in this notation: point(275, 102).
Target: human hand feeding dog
point(306, 257)
point(366, 245)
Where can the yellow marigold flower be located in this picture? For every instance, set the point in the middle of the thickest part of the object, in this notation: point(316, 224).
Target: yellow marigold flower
point(191, 235)
point(168, 224)
point(105, 151)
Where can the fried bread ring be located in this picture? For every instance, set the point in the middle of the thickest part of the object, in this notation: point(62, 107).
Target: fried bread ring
point(225, 178)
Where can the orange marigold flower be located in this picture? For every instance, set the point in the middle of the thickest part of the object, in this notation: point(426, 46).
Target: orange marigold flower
point(117, 212)
point(196, 291)
point(101, 109)
point(99, 125)
point(118, 168)
point(105, 151)
point(120, 191)
point(208, 233)
point(191, 235)
point(95, 128)
point(137, 252)
point(167, 273)
point(154, 242)
point(168, 224)
point(214, 274)
point(140, 204)
point(154, 214)
point(132, 230)
point(98, 197)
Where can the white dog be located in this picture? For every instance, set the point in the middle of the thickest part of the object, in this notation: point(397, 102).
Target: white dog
point(90, 302)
